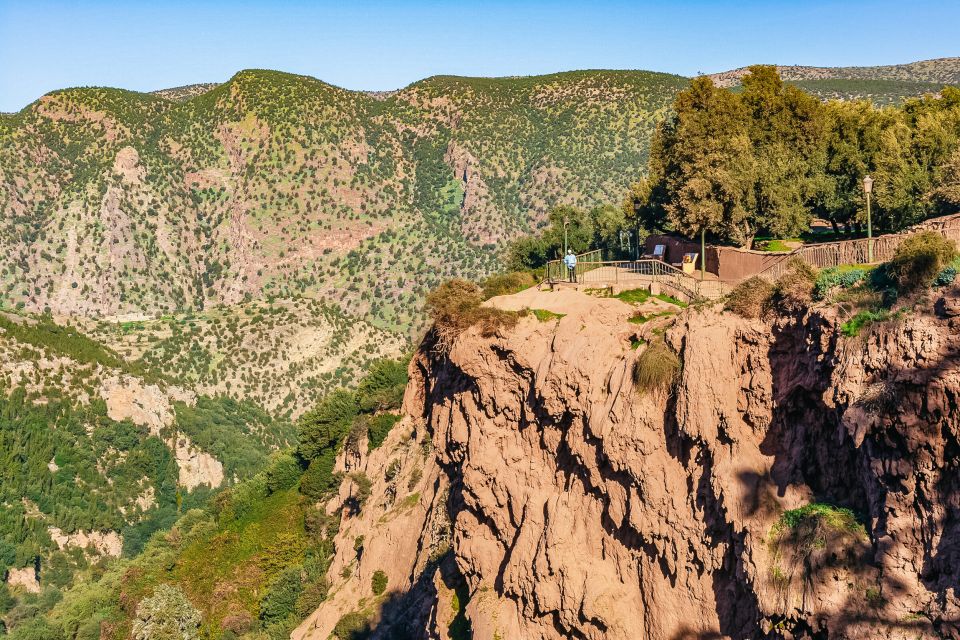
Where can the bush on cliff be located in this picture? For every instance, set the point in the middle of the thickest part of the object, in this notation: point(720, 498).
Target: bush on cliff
point(657, 367)
point(919, 259)
point(455, 306)
point(751, 298)
point(794, 289)
point(503, 284)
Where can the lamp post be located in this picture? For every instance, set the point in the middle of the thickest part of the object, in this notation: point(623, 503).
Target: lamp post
point(564, 235)
point(868, 189)
point(703, 253)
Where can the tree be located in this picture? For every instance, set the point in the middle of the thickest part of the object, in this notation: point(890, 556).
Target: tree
point(786, 136)
point(166, 615)
point(702, 156)
point(579, 230)
point(946, 195)
point(323, 427)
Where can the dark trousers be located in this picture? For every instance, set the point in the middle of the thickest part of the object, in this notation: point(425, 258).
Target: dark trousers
point(572, 274)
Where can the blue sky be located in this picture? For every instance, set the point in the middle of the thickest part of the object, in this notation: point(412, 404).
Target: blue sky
point(46, 45)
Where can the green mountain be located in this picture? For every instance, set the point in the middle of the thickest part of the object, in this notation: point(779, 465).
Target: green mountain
point(279, 185)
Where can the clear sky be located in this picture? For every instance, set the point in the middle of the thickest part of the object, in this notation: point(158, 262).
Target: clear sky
point(154, 44)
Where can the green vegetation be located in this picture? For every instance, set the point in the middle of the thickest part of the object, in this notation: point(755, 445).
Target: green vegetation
point(546, 316)
point(378, 583)
point(352, 626)
point(767, 158)
point(852, 327)
point(639, 318)
point(250, 558)
point(919, 260)
point(842, 277)
point(656, 368)
point(633, 296)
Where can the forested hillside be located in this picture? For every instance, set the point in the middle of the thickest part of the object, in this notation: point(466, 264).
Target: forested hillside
point(280, 185)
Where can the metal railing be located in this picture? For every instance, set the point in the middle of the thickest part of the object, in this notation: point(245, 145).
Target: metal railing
point(834, 254)
point(640, 273)
point(556, 270)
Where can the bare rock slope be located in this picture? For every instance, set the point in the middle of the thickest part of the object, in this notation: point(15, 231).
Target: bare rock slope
point(581, 507)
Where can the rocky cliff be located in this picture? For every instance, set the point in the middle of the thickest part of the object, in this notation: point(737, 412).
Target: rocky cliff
point(793, 482)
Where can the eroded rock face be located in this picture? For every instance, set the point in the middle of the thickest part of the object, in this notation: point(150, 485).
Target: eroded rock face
point(583, 508)
point(25, 578)
point(100, 543)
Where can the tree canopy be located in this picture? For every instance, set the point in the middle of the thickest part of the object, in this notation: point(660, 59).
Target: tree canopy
point(769, 157)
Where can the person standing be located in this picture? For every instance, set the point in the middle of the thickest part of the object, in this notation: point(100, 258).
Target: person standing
point(571, 261)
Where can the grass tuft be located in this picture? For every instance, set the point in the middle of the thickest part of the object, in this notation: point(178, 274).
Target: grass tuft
point(657, 367)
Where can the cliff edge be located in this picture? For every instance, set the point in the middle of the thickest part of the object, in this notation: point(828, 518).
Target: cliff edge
point(790, 482)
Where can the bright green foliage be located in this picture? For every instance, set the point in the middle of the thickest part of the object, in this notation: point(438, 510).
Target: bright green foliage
point(603, 227)
point(323, 427)
point(544, 315)
point(852, 327)
point(281, 598)
point(383, 385)
point(239, 434)
point(283, 473)
point(836, 517)
point(378, 583)
point(166, 615)
point(633, 296)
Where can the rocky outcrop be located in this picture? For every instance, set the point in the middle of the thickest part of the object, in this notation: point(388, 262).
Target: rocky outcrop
point(581, 507)
point(196, 467)
point(25, 578)
point(98, 543)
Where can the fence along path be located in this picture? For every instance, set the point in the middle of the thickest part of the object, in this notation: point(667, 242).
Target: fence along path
point(834, 254)
point(591, 269)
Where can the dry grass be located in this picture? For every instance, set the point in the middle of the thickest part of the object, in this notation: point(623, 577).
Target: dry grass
point(657, 367)
point(795, 288)
point(456, 306)
point(503, 284)
point(751, 298)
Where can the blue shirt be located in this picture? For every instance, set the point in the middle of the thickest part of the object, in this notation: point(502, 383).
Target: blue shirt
point(570, 260)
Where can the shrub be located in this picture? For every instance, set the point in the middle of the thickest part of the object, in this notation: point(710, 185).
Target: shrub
point(324, 426)
point(319, 481)
point(352, 626)
point(503, 284)
point(379, 428)
point(656, 367)
point(363, 485)
point(798, 533)
point(314, 594)
point(378, 584)
point(281, 597)
point(832, 277)
point(794, 289)
point(166, 615)
point(852, 327)
point(283, 473)
point(919, 259)
point(383, 386)
point(456, 306)
point(751, 298)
